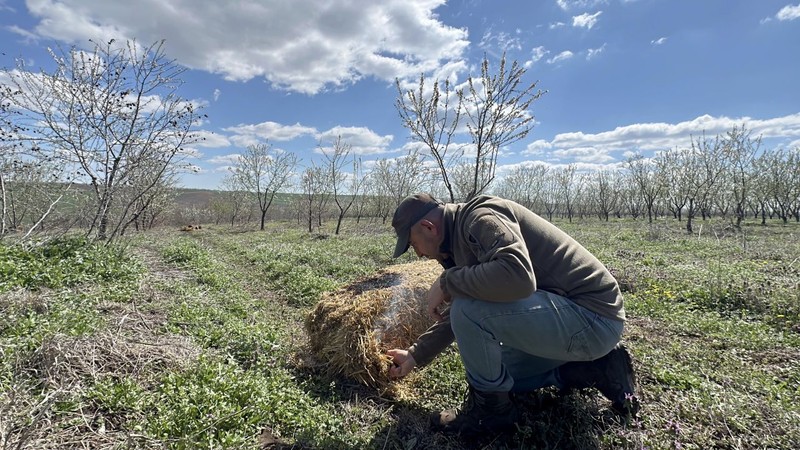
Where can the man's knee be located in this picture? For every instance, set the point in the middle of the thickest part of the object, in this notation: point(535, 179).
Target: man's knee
point(466, 314)
point(459, 319)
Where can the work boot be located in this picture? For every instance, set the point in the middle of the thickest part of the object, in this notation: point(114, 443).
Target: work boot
point(612, 375)
point(482, 412)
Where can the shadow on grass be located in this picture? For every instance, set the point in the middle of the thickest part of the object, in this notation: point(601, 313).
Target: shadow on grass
point(548, 421)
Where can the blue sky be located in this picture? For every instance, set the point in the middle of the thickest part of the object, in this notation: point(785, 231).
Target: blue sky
point(622, 76)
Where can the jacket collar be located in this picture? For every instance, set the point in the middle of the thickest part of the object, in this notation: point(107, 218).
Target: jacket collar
point(448, 223)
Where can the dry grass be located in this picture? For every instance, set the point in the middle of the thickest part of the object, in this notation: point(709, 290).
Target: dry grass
point(351, 329)
point(49, 404)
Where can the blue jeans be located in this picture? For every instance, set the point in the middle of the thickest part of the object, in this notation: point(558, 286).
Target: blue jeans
point(518, 346)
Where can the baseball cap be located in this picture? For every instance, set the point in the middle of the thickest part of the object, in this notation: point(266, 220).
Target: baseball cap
point(410, 211)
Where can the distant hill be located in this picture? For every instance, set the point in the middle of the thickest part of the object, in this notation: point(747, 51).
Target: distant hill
point(195, 197)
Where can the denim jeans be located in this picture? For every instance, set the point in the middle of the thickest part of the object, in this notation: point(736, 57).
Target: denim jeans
point(517, 346)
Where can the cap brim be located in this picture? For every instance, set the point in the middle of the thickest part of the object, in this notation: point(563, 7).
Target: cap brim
point(402, 245)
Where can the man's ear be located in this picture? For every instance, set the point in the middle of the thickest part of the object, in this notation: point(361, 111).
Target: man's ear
point(428, 225)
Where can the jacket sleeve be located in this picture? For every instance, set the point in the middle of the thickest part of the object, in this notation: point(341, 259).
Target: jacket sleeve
point(504, 271)
point(433, 341)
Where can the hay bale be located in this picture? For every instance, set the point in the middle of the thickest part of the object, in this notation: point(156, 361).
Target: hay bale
point(351, 329)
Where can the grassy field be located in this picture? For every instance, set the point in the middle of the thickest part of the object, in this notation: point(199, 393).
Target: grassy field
point(196, 340)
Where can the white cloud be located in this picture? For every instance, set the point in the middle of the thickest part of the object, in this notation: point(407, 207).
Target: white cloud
point(209, 139)
point(584, 154)
point(229, 160)
point(660, 136)
point(501, 41)
point(537, 147)
point(563, 56)
point(659, 41)
point(302, 45)
point(27, 35)
point(568, 5)
point(244, 135)
point(217, 93)
point(593, 52)
point(788, 12)
point(536, 55)
point(363, 141)
point(555, 25)
point(586, 20)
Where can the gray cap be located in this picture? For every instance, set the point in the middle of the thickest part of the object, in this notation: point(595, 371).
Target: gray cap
point(410, 211)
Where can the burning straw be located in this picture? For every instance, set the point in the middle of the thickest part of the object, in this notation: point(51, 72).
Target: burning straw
point(351, 329)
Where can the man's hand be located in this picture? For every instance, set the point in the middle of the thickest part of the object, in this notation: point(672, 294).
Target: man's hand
point(436, 298)
point(404, 363)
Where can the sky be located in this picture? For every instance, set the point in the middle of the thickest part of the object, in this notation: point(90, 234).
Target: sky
point(621, 76)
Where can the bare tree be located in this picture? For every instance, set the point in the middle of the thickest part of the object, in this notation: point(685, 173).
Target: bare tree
point(631, 202)
point(149, 192)
point(648, 181)
point(316, 185)
point(497, 113)
point(31, 191)
point(784, 182)
point(568, 188)
point(263, 171)
point(432, 120)
point(232, 202)
point(495, 109)
point(5, 168)
point(672, 165)
point(379, 202)
point(604, 192)
point(345, 187)
point(106, 112)
point(740, 151)
point(525, 184)
point(762, 183)
point(701, 169)
point(551, 194)
point(400, 177)
point(30, 186)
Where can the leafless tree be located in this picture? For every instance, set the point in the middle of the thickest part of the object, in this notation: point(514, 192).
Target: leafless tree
point(31, 191)
point(702, 170)
point(525, 184)
point(631, 203)
point(783, 167)
point(495, 109)
point(5, 169)
point(400, 177)
point(150, 191)
point(432, 119)
point(316, 192)
point(346, 187)
point(672, 165)
point(232, 202)
point(264, 171)
point(378, 201)
point(30, 181)
point(648, 181)
point(552, 197)
point(740, 150)
point(604, 192)
point(569, 185)
point(762, 183)
point(106, 112)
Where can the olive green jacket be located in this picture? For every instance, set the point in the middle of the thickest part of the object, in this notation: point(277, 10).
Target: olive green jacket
point(500, 251)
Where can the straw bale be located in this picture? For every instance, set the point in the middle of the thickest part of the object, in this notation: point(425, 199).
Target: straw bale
point(351, 329)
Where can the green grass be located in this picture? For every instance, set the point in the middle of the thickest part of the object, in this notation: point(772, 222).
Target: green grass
point(195, 340)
